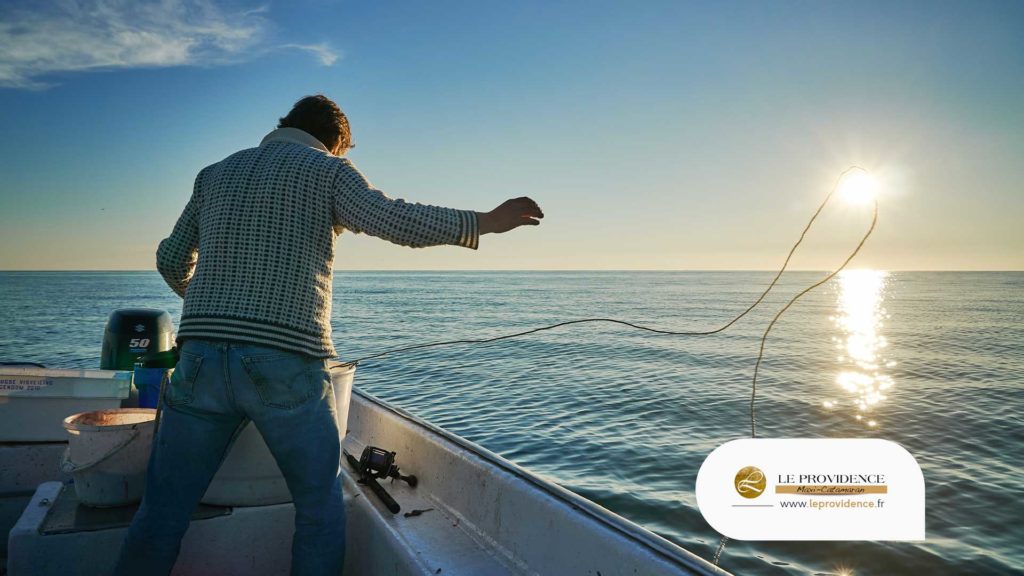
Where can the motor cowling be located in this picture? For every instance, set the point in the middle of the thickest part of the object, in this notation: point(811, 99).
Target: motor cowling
point(132, 333)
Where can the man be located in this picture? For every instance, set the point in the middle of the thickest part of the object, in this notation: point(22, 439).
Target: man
point(252, 256)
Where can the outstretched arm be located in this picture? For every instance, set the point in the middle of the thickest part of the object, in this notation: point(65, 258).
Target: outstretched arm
point(360, 207)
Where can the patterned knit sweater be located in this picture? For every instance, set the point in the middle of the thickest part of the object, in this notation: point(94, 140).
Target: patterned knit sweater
point(252, 253)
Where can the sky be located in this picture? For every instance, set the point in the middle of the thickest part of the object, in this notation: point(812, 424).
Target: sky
point(655, 135)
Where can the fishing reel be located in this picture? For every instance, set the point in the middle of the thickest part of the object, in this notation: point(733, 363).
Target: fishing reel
point(380, 464)
point(376, 464)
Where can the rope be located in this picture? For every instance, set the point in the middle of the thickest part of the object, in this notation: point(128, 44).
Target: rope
point(764, 337)
point(725, 326)
point(755, 304)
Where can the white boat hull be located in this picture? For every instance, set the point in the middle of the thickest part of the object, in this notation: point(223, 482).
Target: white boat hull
point(488, 517)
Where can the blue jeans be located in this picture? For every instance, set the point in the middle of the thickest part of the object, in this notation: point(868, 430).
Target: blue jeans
point(214, 391)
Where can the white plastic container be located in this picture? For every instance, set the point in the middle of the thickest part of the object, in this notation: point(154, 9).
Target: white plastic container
point(107, 455)
point(249, 475)
point(34, 401)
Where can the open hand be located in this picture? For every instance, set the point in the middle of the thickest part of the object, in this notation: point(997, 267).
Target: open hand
point(510, 214)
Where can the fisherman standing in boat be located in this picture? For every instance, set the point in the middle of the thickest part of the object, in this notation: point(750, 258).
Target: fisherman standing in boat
point(252, 255)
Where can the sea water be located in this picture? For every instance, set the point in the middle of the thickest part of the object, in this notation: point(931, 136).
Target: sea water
point(934, 361)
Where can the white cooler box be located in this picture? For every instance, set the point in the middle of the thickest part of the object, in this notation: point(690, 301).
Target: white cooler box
point(35, 401)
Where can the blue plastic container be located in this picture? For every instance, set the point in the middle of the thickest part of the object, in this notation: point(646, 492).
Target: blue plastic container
point(148, 382)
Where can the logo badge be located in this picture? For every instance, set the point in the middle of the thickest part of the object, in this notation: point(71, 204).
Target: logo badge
point(140, 327)
point(749, 482)
point(812, 489)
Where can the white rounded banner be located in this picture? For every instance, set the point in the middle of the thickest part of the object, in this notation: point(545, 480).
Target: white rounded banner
point(812, 489)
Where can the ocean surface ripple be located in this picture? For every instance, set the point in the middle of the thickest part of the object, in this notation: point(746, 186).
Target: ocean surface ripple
point(932, 361)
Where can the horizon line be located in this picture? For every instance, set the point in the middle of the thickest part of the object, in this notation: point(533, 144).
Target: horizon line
point(109, 270)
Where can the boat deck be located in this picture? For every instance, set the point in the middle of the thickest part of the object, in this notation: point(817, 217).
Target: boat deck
point(482, 516)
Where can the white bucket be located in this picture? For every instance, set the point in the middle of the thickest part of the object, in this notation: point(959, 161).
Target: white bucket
point(108, 453)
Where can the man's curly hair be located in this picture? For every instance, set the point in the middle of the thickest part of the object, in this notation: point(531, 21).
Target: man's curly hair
point(320, 117)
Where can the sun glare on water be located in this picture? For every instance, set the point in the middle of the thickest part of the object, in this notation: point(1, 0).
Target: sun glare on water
point(860, 345)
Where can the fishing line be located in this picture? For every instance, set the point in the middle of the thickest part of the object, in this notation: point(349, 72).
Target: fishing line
point(755, 304)
point(764, 338)
point(722, 328)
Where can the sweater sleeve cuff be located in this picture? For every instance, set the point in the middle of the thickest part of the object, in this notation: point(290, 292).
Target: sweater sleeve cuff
point(469, 236)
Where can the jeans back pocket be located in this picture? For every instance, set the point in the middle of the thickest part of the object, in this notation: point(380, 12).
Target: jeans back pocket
point(285, 380)
point(181, 388)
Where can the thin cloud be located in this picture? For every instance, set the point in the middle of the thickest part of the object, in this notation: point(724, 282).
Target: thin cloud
point(323, 52)
point(85, 35)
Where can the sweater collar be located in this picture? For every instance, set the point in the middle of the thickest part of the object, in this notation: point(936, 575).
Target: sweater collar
point(295, 136)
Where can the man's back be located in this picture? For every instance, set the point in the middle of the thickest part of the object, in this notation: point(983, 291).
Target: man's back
point(260, 230)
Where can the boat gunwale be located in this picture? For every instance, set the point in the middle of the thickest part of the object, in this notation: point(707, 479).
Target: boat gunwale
point(622, 526)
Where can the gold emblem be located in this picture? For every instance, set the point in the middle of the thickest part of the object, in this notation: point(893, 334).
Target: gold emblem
point(750, 482)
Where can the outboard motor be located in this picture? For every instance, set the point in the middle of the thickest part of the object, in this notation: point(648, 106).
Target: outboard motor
point(140, 339)
point(133, 333)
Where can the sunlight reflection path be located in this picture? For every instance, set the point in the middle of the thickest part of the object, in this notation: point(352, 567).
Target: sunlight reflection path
point(861, 363)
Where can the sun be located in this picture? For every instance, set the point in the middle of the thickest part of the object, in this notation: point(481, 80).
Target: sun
point(858, 186)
